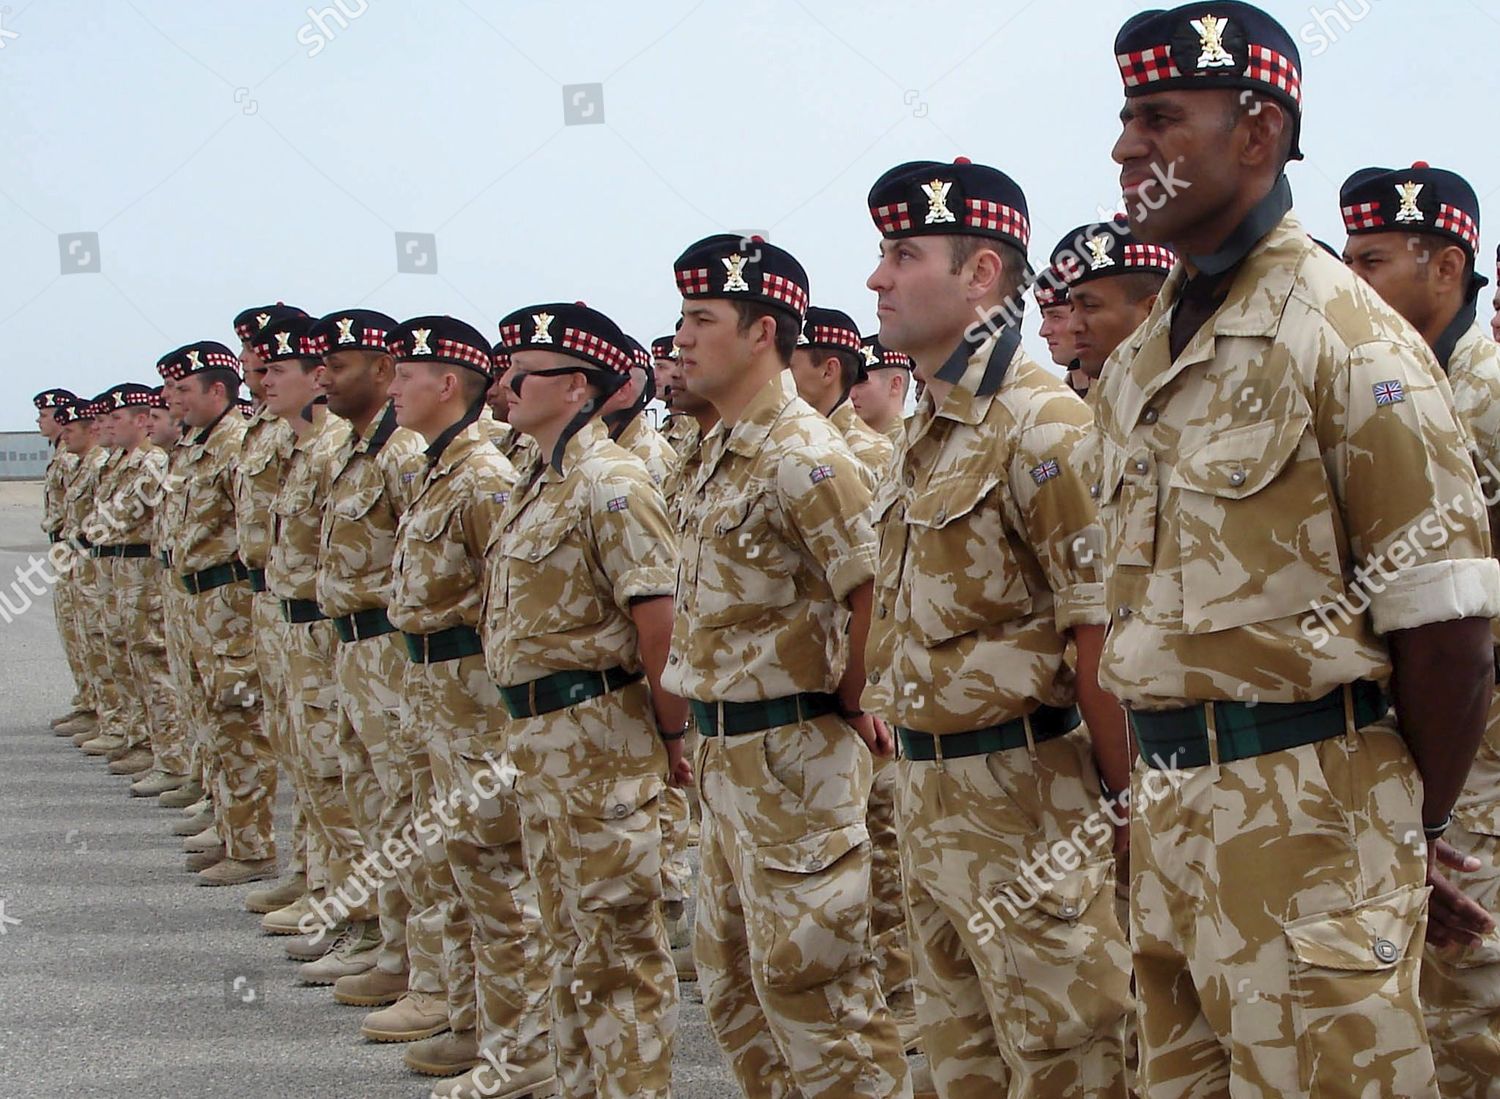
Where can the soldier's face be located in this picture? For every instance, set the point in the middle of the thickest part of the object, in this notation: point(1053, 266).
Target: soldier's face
point(1495, 320)
point(79, 435)
point(713, 352)
point(546, 402)
point(1102, 317)
point(351, 382)
point(921, 303)
point(289, 388)
point(176, 402)
point(1178, 157)
point(201, 402)
point(497, 396)
point(163, 427)
point(254, 371)
point(1397, 266)
point(877, 400)
point(1055, 320)
point(810, 372)
point(417, 391)
point(46, 424)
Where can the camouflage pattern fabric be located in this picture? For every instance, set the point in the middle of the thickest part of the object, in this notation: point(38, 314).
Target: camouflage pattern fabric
point(873, 449)
point(641, 438)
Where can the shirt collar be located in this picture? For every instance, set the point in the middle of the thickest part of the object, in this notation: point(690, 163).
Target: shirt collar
point(1264, 216)
point(760, 415)
point(580, 443)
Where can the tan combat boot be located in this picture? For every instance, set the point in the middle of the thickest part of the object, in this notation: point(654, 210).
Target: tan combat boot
point(155, 783)
point(181, 797)
point(680, 939)
point(497, 1078)
point(238, 872)
point(133, 762)
point(63, 719)
point(102, 745)
point(415, 1016)
point(372, 988)
point(264, 901)
point(193, 825)
point(202, 841)
point(202, 860)
point(446, 1054)
point(83, 723)
point(353, 954)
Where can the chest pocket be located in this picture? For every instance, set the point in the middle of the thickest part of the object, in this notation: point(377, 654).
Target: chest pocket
point(433, 562)
point(742, 568)
point(1128, 497)
point(550, 587)
point(962, 571)
point(1256, 532)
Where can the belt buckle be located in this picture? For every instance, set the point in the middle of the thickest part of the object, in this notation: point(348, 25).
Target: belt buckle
point(937, 748)
point(531, 698)
point(719, 729)
point(427, 648)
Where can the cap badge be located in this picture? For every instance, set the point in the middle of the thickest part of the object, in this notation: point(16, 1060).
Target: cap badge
point(542, 323)
point(735, 265)
point(193, 360)
point(1408, 193)
point(1099, 252)
point(262, 319)
point(1211, 42)
point(283, 343)
point(419, 341)
point(937, 201)
point(868, 351)
point(119, 399)
point(346, 325)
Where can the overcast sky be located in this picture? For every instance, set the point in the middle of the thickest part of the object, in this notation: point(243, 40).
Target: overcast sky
point(228, 154)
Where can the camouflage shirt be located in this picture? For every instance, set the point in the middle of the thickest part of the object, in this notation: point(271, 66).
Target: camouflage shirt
point(202, 522)
point(873, 449)
point(650, 446)
point(570, 553)
point(438, 568)
point(266, 449)
point(167, 510)
point(125, 501)
point(1304, 431)
point(684, 470)
point(372, 477)
point(776, 535)
point(516, 448)
point(297, 510)
point(78, 500)
point(681, 432)
point(1474, 376)
point(987, 540)
point(61, 468)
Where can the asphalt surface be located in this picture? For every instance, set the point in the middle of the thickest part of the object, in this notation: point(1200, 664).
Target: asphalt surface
point(121, 978)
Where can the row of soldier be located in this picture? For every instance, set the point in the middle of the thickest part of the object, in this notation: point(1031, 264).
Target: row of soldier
point(395, 605)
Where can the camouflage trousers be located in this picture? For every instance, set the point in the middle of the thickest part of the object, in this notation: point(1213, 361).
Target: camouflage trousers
point(376, 764)
point(314, 721)
point(782, 941)
point(136, 618)
point(126, 706)
point(888, 935)
point(591, 779)
point(64, 613)
point(224, 699)
point(1461, 989)
point(1020, 959)
point(307, 855)
point(90, 611)
point(175, 606)
point(484, 898)
point(1278, 912)
point(676, 828)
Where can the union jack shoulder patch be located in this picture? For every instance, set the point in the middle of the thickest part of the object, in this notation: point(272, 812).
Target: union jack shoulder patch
point(1389, 393)
point(1046, 471)
point(820, 474)
point(408, 477)
point(619, 503)
point(501, 497)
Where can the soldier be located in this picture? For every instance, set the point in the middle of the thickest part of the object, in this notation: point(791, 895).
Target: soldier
point(1051, 292)
point(126, 515)
point(679, 430)
point(624, 415)
point(773, 598)
point(577, 624)
point(224, 690)
point(1112, 282)
point(879, 397)
point(1414, 237)
point(826, 365)
point(517, 449)
point(291, 393)
point(370, 479)
point(980, 587)
point(61, 467)
point(1273, 437)
point(693, 416)
point(266, 450)
point(483, 898)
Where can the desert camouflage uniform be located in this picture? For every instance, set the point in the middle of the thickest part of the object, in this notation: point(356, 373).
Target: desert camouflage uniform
point(872, 448)
point(895, 431)
point(124, 711)
point(224, 695)
point(514, 447)
point(371, 478)
point(88, 592)
point(1461, 989)
point(265, 452)
point(62, 467)
point(689, 443)
point(681, 432)
point(571, 553)
point(641, 438)
point(484, 900)
point(777, 535)
point(126, 513)
point(979, 581)
point(307, 661)
point(174, 614)
point(1302, 430)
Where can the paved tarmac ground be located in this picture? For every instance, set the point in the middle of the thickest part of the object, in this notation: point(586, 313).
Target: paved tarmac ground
point(119, 977)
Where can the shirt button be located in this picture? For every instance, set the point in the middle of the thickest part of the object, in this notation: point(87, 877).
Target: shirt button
point(880, 611)
point(672, 659)
point(874, 677)
point(911, 479)
point(1149, 416)
point(1094, 490)
point(1237, 478)
point(1123, 612)
point(1140, 465)
point(1385, 950)
point(814, 865)
point(621, 810)
point(1068, 911)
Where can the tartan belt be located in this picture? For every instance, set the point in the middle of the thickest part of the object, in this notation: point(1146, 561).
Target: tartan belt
point(1168, 739)
point(563, 689)
point(449, 644)
point(133, 549)
point(738, 718)
point(363, 624)
point(204, 580)
point(299, 612)
point(1047, 723)
point(257, 578)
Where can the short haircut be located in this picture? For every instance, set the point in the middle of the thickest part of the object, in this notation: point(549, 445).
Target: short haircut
point(1142, 284)
point(788, 327)
point(224, 376)
point(962, 247)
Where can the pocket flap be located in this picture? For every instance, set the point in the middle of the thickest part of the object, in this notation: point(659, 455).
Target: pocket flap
point(812, 854)
point(1373, 936)
point(356, 505)
point(537, 541)
point(732, 513)
point(1070, 898)
point(951, 498)
point(430, 527)
point(1241, 461)
point(615, 800)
